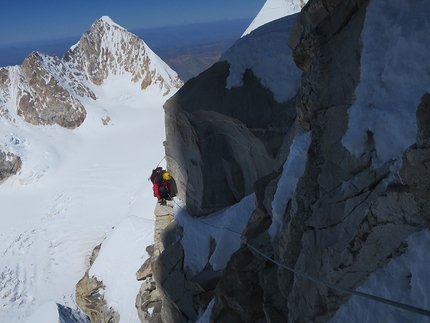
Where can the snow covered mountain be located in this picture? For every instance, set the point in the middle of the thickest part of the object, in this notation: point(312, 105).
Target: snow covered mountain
point(275, 9)
point(46, 90)
point(108, 51)
point(78, 136)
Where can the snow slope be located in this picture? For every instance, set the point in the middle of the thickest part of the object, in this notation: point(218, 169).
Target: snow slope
point(272, 10)
point(394, 76)
point(75, 187)
point(264, 51)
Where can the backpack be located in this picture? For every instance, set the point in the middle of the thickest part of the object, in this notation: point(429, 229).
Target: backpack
point(157, 175)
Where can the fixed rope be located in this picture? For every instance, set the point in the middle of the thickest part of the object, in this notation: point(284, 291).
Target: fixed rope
point(382, 300)
point(161, 161)
point(343, 289)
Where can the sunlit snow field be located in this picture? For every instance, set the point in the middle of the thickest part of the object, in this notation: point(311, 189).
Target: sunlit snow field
point(74, 188)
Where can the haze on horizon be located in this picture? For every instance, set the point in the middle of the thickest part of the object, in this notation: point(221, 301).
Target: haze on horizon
point(30, 21)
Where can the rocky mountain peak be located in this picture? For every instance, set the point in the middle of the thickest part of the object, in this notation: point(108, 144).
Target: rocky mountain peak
point(107, 50)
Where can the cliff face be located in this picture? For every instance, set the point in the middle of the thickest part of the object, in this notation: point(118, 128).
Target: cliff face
point(350, 213)
point(344, 221)
point(225, 127)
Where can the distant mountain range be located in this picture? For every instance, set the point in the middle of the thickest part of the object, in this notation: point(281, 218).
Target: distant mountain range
point(187, 49)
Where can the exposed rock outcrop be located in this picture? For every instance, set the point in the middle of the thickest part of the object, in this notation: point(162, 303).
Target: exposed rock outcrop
point(149, 301)
point(42, 98)
point(170, 293)
point(415, 170)
point(89, 297)
point(45, 92)
point(10, 164)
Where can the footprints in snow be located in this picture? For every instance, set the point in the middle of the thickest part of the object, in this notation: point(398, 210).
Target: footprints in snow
point(33, 175)
point(21, 244)
point(58, 206)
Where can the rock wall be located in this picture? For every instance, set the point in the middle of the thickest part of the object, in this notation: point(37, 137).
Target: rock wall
point(150, 300)
point(221, 140)
point(347, 218)
point(168, 292)
point(344, 222)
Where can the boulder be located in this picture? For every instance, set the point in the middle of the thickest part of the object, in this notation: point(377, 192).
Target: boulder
point(10, 164)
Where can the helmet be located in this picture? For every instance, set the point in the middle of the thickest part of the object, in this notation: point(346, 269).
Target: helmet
point(166, 176)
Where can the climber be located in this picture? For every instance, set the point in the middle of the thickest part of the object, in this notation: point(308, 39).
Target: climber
point(160, 179)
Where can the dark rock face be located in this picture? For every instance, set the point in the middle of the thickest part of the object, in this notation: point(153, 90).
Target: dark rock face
point(10, 164)
point(415, 170)
point(348, 217)
point(68, 315)
point(242, 128)
point(336, 232)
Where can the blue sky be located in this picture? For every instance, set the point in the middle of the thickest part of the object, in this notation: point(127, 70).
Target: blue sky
point(28, 20)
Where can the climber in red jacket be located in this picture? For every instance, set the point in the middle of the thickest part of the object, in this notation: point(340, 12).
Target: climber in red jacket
point(160, 179)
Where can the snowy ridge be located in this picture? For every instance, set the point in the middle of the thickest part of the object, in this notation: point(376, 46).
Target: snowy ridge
point(272, 10)
point(116, 264)
point(263, 52)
